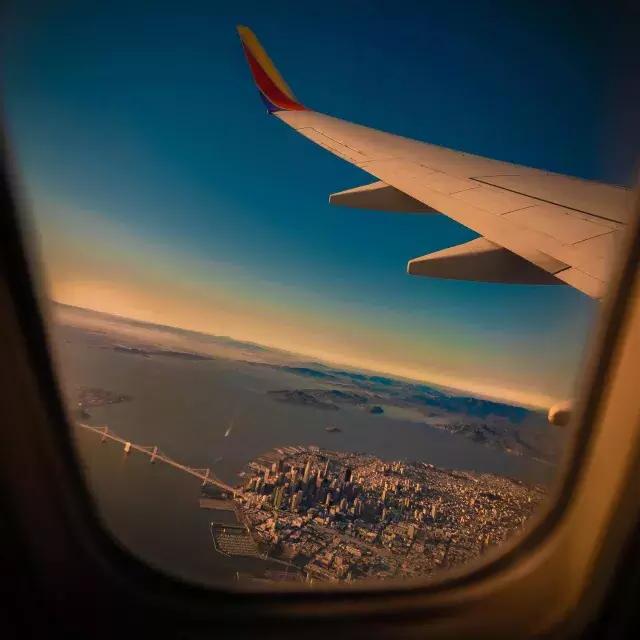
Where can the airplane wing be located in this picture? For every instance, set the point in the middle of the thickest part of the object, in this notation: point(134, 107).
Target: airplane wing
point(535, 226)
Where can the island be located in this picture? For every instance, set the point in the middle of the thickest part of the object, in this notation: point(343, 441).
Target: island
point(148, 353)
point(96, 397)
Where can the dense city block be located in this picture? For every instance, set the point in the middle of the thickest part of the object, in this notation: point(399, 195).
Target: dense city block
point(341, 516)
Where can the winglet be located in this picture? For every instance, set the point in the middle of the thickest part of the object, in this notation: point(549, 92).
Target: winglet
point(274, 91)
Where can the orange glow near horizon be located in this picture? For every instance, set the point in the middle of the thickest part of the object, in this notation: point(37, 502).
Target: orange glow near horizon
point(129, 302)
point(131, 282)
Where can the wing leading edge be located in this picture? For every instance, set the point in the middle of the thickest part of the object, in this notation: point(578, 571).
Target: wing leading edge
point(535, 226)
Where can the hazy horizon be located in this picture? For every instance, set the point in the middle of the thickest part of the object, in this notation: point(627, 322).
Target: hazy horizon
point(305, 358)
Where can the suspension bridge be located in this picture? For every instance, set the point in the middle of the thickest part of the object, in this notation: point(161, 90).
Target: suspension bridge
point(205, 475)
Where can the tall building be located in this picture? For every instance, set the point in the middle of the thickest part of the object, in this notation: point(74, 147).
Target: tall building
point(328, 499)
point(325, 471)
point(307, 471)
point(296, 500)
point(277, 497)
point(311, 486)
point(347, 475)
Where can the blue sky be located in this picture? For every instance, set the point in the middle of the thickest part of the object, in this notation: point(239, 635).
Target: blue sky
point(161, 189)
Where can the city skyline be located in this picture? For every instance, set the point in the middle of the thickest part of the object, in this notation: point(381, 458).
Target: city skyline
point(352, 515)
point(161, 191)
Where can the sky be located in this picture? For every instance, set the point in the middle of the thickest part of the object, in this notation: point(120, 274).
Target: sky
point(159, 189)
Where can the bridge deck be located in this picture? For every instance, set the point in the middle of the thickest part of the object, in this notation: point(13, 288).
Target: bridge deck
point(155, 454)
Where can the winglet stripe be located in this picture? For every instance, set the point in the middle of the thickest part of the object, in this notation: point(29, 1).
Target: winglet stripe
point(267, 87)
point(270, 83)
point(252, 43)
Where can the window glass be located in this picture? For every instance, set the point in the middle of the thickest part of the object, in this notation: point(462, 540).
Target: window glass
point(257, 388)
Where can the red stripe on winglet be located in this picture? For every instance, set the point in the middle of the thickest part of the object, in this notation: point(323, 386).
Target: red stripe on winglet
point(268, 87)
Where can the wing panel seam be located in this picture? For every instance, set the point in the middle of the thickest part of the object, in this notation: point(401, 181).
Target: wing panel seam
point(557, 204)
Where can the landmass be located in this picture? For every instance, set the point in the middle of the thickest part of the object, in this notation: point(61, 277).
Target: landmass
point(514, 430)
point(319, 398)
point(148, 353)
point(340, 516)
point(96, 397)
point(332, 515)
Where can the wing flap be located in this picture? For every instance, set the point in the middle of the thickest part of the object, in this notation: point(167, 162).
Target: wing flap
point(483, 261)
point(378, 196)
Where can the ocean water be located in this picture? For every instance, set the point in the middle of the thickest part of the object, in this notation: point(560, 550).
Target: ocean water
point(186, 406)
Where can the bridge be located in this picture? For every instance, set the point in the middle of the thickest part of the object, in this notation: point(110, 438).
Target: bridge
point(154, 453)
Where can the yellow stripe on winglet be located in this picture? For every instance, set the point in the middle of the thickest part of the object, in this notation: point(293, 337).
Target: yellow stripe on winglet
point(249, 38)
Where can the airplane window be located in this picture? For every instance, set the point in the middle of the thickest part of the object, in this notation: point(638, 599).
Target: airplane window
point(314, 349)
